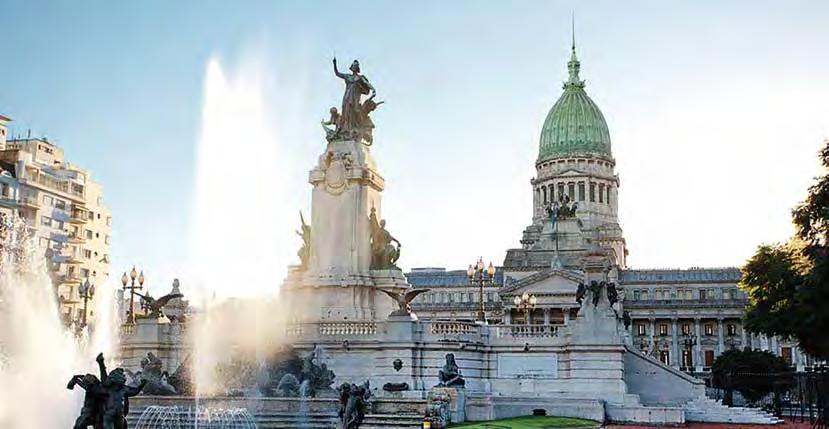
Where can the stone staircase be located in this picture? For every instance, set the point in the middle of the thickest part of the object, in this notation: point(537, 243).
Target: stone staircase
point(713, 411)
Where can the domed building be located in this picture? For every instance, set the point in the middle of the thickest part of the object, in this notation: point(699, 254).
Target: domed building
point(575, 171)
point(682, 317)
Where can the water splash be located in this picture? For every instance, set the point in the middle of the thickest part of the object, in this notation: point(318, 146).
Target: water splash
point(38, 354)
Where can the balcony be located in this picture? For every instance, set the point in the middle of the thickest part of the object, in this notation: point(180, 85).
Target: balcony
point(78, 217)
point(76, 239)
point(29, 202)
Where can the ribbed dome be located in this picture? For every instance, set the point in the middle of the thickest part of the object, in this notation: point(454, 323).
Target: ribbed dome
point(575, 125)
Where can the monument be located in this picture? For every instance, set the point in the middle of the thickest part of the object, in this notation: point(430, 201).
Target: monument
point(348, 255)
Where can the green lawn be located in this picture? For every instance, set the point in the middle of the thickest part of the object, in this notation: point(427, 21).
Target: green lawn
point(530, 423)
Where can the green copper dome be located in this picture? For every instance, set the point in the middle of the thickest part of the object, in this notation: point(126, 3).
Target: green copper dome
point(575, 126)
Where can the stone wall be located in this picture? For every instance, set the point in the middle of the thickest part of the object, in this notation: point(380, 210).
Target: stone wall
point(658, 384)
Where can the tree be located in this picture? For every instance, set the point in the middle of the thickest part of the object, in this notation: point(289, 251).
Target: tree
point(753, 373)
point(788, 284)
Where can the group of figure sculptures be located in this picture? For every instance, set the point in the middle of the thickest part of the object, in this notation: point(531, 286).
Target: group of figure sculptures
point(106, 400)
point(595, 289)
point(354, 400)
point(288, 375)
point(352, 122)
point(385, 248)
point(158, 381)
point(562, 209)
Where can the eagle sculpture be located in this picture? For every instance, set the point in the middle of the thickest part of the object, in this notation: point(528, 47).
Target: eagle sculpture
point(403, 300)
point(154, 306)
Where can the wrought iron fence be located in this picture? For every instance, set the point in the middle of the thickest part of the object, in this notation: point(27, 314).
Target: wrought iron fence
point(802, 396)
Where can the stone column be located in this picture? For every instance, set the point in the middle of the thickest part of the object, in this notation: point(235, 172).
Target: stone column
point(720, 339)
point(743, 338)
point(698, 347)
point(566, 315)
point(773, 346)
point(547, 316)
point(675, 359)
point(798, 358)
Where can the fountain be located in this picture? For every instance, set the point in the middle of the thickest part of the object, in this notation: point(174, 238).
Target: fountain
point(175, 417)
point(38, 354)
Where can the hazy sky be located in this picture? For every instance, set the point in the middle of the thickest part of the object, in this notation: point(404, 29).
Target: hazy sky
point(716, 112)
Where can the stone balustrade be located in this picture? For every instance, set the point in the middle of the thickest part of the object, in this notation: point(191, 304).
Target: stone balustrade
point(452, 328)
point(528, 331)
point(348, 328)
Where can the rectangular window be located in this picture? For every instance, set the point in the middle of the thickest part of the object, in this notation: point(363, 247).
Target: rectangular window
point(87, 253)
point(709, 358)
point(106, 240)
point(709, 329)
point(641, 329)
point(636, 295)
point(60, 204)
point(726, 294)
point(703, 294)
point(46, 220)
point(645, 294)
point(89, 234)
point(109, 220)
point(592, 192)
point(44, 242)
point(608, 195)
point(544, 192)
point(686, 329)
point(731, 329)
point(601, 193)
point(663, 329)
point(581, 191)
point(90, 215)
point(47, 200)
point(560, 190)
point(571, 191)
point(84, 273)
point(665, 357)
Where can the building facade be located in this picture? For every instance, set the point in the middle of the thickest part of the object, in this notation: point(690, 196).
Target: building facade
point(64, 210)
point(683, 317)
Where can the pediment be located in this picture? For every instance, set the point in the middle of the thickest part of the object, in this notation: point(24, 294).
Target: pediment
point(549, 282)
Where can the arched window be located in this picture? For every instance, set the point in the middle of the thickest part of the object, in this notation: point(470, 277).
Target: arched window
point(544, 189)
point(601, 192)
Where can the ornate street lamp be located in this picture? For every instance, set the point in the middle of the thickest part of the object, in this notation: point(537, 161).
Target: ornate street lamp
point(132, 287)
point(482, 276)
point(86, 291)
point(689, 342)
point(525, 303)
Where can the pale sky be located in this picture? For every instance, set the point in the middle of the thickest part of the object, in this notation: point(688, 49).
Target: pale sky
point(716, 113)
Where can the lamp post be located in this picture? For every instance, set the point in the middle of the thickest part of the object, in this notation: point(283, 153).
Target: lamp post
point(482, 276)
point(689, 342)
point(132, 287)
point(525, 303)
point(86, 291)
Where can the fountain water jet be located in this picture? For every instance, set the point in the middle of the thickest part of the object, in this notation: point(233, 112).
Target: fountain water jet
point(38, 354)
